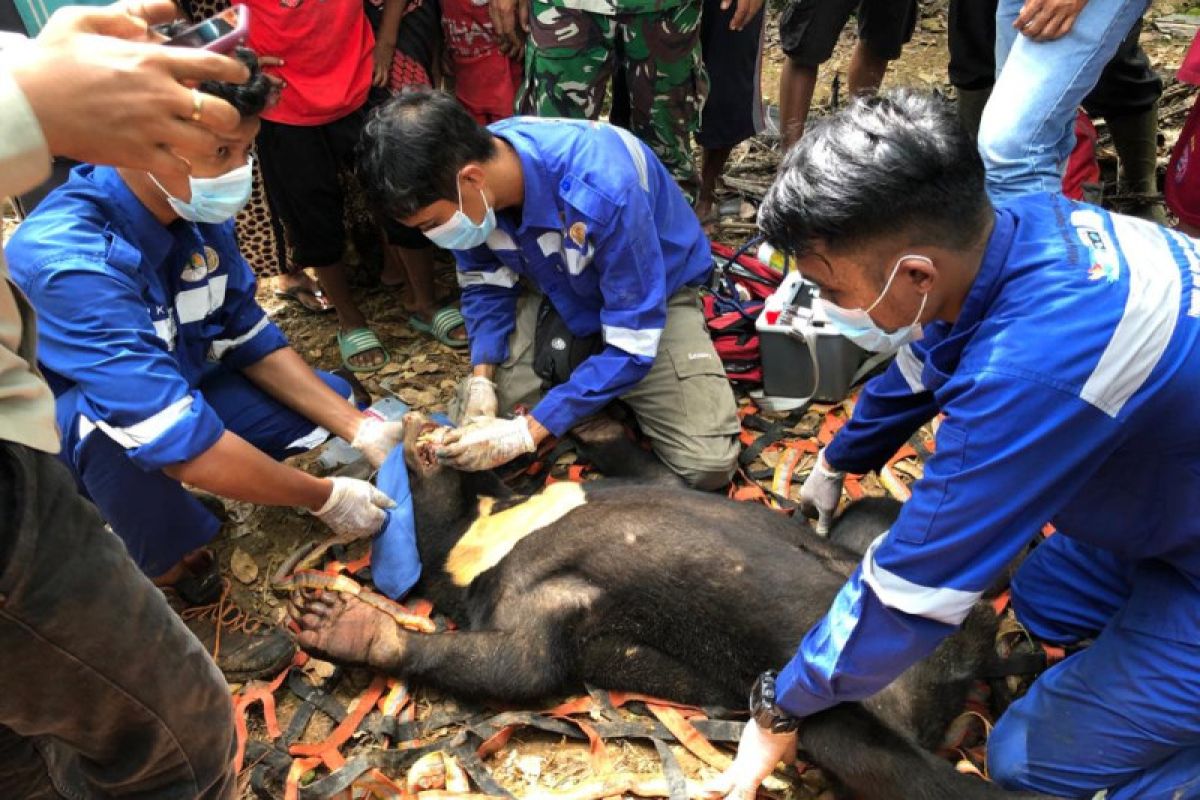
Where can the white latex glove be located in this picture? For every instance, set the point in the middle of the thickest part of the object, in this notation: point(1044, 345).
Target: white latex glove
point(376, 438)
point(481, 399)
point(355, 509)
point(486, 444)
point(822, 491)
point(759, 752)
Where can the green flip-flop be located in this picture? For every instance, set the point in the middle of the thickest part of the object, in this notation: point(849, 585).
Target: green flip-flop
point(357, 342)
point(443, 324)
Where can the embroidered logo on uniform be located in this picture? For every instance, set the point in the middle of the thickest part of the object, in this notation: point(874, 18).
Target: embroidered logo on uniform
point(196, 269)
point(211, 259)
point(578, 233)
point(1104, 262)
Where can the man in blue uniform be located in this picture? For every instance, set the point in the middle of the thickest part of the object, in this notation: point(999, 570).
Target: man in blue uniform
point(165, 371)
point(1062, 345)
point(585, 216)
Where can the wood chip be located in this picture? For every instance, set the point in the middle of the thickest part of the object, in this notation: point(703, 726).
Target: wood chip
point(243, 566)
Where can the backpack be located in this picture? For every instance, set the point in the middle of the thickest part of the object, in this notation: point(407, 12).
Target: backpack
point(734, 299)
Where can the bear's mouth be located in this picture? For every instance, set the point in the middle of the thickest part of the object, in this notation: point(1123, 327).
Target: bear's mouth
point(429, 441)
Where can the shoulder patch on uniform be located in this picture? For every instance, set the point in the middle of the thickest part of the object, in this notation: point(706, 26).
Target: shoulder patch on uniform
point(1104, 263)
point(496, 532)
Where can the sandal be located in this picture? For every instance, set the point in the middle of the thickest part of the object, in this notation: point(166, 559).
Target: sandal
point(313, 300)
point(444, 322)
point(356, 342)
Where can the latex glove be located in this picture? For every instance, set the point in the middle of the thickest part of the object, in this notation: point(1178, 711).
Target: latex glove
point(355, 509)
point(376, 438)
point(486, 444)
point(759, 752)
point(481, 399)
point(822, 491)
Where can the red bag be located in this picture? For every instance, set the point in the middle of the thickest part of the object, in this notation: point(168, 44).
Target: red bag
point(740, 285)
point(1081, 178)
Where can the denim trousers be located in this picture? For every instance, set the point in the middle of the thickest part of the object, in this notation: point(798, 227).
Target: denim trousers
point(1027, 130)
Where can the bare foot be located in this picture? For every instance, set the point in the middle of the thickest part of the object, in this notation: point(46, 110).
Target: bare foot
point(343, 628)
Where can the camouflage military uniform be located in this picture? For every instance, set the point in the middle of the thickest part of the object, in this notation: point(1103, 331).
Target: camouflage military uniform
point(575, 45)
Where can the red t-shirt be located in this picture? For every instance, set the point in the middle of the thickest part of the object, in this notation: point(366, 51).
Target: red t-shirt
point(326, 47)
point(486, 81)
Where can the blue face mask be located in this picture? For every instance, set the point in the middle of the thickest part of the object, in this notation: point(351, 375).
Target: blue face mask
point(459, 232)
point(214, 200)
point(857, 326)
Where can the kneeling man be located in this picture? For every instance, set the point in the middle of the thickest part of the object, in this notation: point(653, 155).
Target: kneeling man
point(166, 371)
point(576, 232)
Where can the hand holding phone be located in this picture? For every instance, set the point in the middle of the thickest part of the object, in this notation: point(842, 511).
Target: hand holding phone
point(220, 33)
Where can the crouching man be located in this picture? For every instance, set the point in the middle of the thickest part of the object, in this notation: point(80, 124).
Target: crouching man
point(573, 234)
point(165, 371)
point(1063, 346)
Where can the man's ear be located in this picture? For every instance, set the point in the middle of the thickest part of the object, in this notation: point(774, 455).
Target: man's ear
point(472, 176)
point(921, 270)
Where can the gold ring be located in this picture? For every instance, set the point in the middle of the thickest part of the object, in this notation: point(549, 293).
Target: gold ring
point(197, 104)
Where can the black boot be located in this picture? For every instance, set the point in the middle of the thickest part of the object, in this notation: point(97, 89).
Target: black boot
point(1135, 137)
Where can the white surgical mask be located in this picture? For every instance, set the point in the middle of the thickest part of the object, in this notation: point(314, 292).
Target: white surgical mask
point(459, 232)
point(214, 200)
point(857, 326)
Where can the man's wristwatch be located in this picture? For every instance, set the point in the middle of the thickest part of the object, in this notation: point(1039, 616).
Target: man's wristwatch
point(767, 715)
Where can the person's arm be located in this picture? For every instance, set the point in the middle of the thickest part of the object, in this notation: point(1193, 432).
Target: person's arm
point(890, 409)
point(489, 306)
point(1010, 454)
point(96, 332)
point(633, 315)
point(385, 40)
point(284, 375)
point(236, 469)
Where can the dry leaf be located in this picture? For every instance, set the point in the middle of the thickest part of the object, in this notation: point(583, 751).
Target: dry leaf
point(242, 565)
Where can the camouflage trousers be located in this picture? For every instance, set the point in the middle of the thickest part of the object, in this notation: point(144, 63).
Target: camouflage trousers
point(571, 57)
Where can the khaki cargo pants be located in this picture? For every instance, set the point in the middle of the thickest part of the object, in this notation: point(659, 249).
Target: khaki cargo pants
point(684, 405)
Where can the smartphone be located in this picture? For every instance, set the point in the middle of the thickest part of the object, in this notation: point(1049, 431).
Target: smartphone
point(220, 33)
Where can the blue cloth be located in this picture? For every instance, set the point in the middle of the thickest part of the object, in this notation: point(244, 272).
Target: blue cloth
point(606, 234)
point(159, 520)
point(1122, 715)
point(132, 315)
point(1068, 384)
point(395, 562)
point(1027, 130)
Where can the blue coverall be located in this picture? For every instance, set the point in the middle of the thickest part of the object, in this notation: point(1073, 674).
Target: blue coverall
point(606, 235)
point(143, 329)
point(1069, 384)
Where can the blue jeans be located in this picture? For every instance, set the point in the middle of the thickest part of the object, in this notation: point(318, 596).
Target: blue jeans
point(1027, 130)
point(1122, 715)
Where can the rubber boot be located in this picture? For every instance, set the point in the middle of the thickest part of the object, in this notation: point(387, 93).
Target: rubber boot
point(970, 108)
point(1135, 137)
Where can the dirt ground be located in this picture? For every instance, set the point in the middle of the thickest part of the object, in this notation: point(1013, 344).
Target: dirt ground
point(423, 374)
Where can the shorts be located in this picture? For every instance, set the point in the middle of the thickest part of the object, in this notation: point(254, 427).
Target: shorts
point(300, 167)
point(733, 112)
point(1181, 187)
point(809, 29)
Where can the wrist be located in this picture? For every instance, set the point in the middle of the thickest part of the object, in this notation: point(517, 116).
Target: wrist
point(319, 494)
point(765, 711)
point(484, 371)
point(537, 431)
point(827, 469)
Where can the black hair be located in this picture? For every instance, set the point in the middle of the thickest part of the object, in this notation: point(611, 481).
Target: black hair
point(896, 163)
point(250, 98)
point(413, 147)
